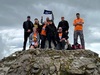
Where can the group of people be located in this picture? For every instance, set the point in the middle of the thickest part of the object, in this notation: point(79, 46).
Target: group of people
point(47, 31)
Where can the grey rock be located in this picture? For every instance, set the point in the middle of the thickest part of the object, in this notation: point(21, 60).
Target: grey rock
point(91, 66)
point(51, 62)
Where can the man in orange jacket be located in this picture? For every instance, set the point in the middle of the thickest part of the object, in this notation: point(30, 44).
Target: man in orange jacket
point(78, 30)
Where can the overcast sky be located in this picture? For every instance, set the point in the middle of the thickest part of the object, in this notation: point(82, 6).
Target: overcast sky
point(14, 12)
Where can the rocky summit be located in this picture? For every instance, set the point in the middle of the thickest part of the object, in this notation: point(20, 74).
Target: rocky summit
point(51, 62)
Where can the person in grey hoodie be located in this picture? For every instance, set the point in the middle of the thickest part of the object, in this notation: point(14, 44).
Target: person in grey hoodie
point(34, 39)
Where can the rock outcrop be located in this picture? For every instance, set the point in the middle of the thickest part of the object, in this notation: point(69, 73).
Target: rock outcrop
point(51, 62)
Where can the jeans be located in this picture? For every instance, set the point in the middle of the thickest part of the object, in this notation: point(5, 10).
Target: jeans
point(80, 34)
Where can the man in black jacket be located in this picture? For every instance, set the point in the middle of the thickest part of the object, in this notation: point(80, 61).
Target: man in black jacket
point(64, 24)
point(51, 32)
point(61, 38)
point(28, 27)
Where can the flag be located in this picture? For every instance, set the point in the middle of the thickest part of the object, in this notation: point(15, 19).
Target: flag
point(47, 12)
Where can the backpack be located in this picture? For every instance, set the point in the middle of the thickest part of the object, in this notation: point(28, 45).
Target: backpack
point(77, 46)
point(73, 47)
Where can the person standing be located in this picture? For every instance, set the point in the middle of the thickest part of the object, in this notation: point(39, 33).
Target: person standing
point(51, 32)
point(78, 30)
point(43, 34)
point(37, 25)
point(28, 27)
point(64, 24)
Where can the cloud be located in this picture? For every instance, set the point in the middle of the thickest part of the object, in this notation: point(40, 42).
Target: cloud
point(11, 41)
point(94, 47)
point(2, 44)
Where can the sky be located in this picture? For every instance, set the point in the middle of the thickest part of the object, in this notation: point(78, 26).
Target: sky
point(14, 12)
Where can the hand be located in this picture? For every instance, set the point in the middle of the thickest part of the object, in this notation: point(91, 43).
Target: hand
point(66, 31)
point(79, 23)
point(29, 30)
point(60, 40)
point(36, 44)
point(75, 24)
point(63, 39)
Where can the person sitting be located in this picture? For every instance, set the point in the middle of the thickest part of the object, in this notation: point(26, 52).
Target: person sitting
point(34, 39)
point(61, 39)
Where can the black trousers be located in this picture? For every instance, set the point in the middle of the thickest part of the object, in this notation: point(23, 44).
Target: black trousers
point(43, 39)
point(51, 39)
point(26, 35)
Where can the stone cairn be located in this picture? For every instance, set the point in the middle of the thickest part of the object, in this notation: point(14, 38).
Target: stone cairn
point(51, 62)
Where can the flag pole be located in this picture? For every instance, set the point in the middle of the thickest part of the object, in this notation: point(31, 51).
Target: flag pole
point(52, 17)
